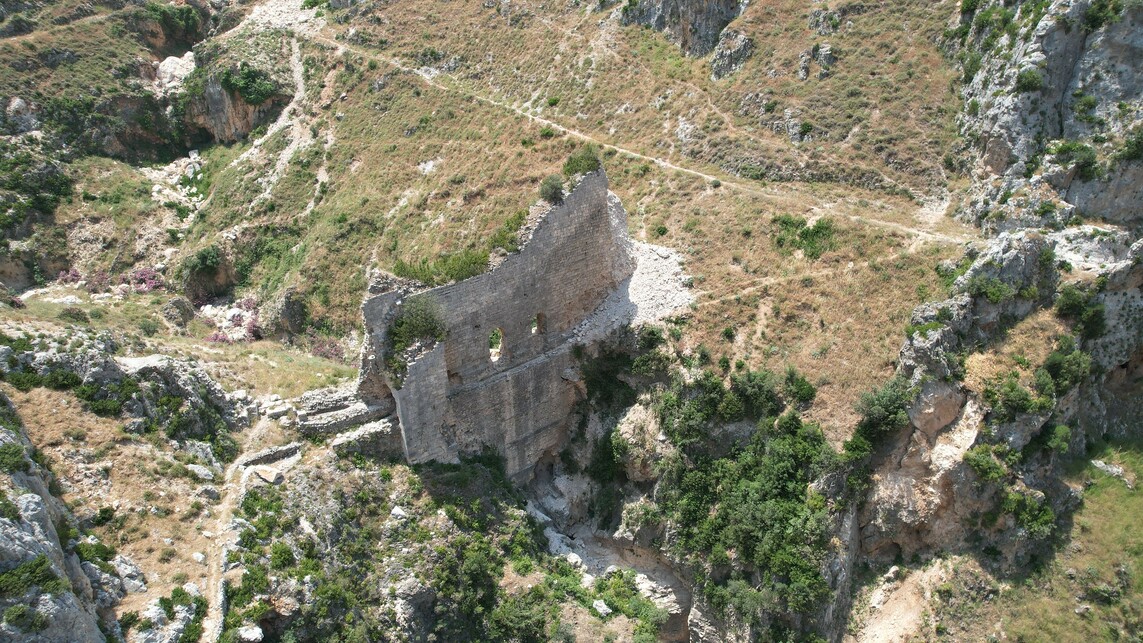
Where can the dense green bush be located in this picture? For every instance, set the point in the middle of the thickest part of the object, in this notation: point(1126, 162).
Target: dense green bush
point(25, 619)
point(253, 85)
point(1060, 438)
point(552, 189)
point(419, 319)
point(798, 388)
point(883, 413)
point(1067, 366)
point(1080, 156)
point(1132, 149)
point(582, 161)
point(446, 268)
point(33, 573)
point(1031, 513)
point(175, 19)
point(1082, 307)
point(12, 458)
point(793, 233)
point(8, 509)
point(980, 459)
point(1029, 80)
point(1100, 13)
point(757, 503)
point(991, 288)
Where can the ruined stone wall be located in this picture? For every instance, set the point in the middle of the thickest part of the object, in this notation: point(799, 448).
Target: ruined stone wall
point(454, 397)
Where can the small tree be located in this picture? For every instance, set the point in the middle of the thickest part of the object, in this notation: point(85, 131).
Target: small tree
point(552, 189)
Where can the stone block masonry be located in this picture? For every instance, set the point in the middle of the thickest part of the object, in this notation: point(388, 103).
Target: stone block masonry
point(457, 395)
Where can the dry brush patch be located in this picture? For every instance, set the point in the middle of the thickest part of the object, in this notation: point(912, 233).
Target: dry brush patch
point(101, 466)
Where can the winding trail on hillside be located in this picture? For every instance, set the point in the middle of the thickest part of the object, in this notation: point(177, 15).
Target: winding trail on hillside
point(231, 491)
point(430, 78)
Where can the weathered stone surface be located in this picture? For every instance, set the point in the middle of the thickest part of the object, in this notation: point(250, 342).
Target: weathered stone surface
point(224, 115)
point(938, 404)
point(1013, 128)
point(694, 25)
point(733, 49)
point(379, 439)
point(271, 454)
point(179, 311)
point(454, 397)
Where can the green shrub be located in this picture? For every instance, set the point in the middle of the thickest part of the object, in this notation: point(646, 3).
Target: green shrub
point(980, 459)
point(991, 288)
point(1034, 515)
point(552, 189)
point(793, 233)
point(25, 618)
point(73, 314)
point(1029, 80)
point(8, 509)
point(12, 458)
point(253, 85)
point(97, 554)
point(446, 268)
point(582, 161)
point(24, 380)
point(1080, 156)
point(1060, 439)
point(1100, 13)
point(1082, 307)
point(420, 319)
point(1132, 149)
point(883, 412)
point(61, 380)
point(798, 387)
point(1067, 366)
point(148, 327)
point(33, 573)
point(1008, 398)
point(281, 556)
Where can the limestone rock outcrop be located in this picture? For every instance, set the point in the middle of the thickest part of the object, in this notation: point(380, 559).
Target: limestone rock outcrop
point(732, 51)
point(1067, 78)
point(693, 25)
point(29, 539)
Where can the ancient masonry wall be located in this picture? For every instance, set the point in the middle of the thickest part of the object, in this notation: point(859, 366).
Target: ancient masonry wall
point(455, 398)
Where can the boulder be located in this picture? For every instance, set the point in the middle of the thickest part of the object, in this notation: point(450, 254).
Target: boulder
point(731, 52)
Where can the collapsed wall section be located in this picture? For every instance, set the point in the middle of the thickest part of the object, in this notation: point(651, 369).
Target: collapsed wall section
point(504, 376)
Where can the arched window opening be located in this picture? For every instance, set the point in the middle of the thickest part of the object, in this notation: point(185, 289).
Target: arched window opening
point(538, 324)
point(495, 344)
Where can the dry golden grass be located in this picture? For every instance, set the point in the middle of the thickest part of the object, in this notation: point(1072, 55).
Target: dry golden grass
point(100, 466)
point(1033, 339)
point(886, 107)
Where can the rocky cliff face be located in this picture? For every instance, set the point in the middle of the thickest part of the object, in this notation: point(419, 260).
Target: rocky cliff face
point(926, 496)
point(694, 25)
point(49, 594)
point(1050, 116)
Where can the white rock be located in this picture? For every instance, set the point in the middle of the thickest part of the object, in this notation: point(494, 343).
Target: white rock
point(601, 607)
point(199, 557)
point(269, 475)
point(250, 634)
point(201, 472)
point(398, 513)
